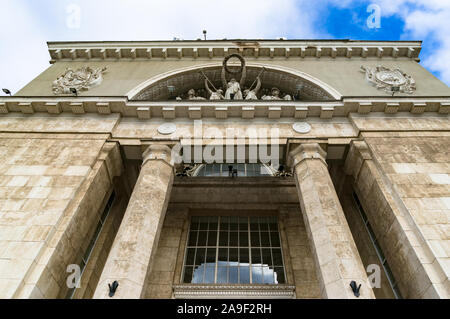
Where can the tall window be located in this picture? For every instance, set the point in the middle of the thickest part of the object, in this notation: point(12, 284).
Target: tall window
point(234, 250)
point(379, 251)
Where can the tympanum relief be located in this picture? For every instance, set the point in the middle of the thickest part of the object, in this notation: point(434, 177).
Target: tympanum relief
point(232, 89)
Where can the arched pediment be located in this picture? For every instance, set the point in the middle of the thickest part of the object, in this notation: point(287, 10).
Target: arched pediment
point(177, 83)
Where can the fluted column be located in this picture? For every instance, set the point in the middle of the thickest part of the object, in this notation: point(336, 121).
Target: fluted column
point(336, 256)
point(134, 247)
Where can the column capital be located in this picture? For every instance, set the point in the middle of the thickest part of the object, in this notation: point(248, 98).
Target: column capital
point(358, 153)
point(306, 151)
point(157, 152)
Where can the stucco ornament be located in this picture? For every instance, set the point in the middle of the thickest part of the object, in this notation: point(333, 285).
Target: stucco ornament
point(390, 80)
point(81, 79)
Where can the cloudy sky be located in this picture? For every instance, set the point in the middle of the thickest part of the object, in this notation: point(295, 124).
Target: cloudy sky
point(26, 25)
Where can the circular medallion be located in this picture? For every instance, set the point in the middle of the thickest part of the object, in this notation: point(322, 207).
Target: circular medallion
point(167, 128)
point(391, 77)
point(301, 127)
point(234, 55)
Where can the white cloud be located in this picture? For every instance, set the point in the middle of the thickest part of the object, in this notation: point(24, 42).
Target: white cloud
point(23, 53)
point(26, 25)
point(427, 20)
point(103, 20)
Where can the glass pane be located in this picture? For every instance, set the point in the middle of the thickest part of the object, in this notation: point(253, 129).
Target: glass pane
point(233, 239)
point(215, 170)
point(254, 223)
point(234, 255)
point(192, 238)
point(200, 256)
point(233, 275)
point(212, 238)
point(268, 275)
point(243, 223)
point(203, 223)
point(265, 239)
point(251, 169)
point(274, 239)
point(279, 275)
point(234, 223)
point(244, 275)
point(201, 238)
point(243, 255)
point(187, 275)
point(241, 169)
point(263, 225)
point(223, 256)
point(277, 259)
point(222, 274)
point(273, 224)
point(266, 256)
point(223, 238)
point(224, 223)
point(243, 239)
point(209, 275)
point(257, 275)
point(211, 255)
point(194, 223)
point(254, 239)
point(213, 223)
point(256, 256)
point(198, 275)
point(190, 254)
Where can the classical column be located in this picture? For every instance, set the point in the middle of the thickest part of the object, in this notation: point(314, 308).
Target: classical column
point(132, 254)
point(336, 257)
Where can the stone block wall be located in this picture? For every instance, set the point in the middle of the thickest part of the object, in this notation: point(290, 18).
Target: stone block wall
point(49, 190)
point(402, 180)
point(298, 257)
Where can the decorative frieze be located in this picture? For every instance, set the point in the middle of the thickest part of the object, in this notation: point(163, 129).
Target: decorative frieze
point(188, 291)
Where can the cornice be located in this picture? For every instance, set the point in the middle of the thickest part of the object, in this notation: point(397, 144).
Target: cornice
point(222, 109)
point(147, 50)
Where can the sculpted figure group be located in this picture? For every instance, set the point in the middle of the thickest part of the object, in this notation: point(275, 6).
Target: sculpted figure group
point(232, 89)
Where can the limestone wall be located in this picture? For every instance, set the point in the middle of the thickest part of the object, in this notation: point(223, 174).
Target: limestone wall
point(50, 186)
point(402, 180)
point(342, 74)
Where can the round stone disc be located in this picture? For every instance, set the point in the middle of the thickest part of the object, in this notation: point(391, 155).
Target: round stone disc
point(167, 128)
point(301, 127)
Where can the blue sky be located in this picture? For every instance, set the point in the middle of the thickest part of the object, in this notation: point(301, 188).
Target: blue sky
point(26, 25)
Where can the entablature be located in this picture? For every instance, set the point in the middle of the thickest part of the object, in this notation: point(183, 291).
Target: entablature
point(221, 109)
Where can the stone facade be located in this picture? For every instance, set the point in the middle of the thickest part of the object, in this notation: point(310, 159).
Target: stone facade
point(91, 180)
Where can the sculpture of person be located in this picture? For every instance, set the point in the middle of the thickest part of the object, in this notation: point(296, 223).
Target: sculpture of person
point(287, 97)
point(193, 96)
point(217, 95)
point(275, 95)
point(233, 88)
point(252, 94)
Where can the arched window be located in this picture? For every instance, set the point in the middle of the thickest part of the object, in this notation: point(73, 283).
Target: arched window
point(233, 169)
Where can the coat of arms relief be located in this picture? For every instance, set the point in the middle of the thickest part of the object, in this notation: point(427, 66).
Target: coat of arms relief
point(389, 80)
point(81, 80)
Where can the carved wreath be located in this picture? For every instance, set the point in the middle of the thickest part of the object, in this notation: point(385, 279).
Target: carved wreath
point(234, 55)
point(81, 79)
point(389, 80)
